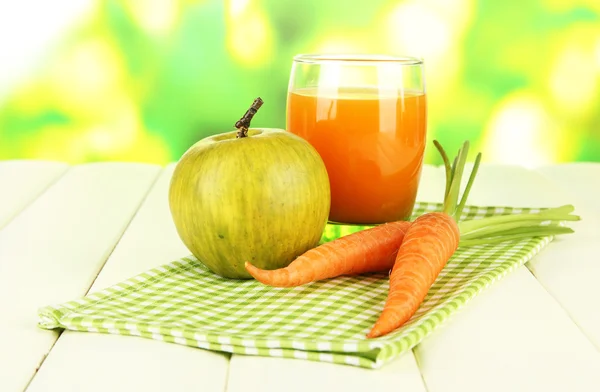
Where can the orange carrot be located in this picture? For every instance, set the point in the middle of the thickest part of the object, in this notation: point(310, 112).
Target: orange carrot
point(432, 239)
point(428, 244)
point(369, 250)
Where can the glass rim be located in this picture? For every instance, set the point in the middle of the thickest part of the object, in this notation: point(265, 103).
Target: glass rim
point(315, 58)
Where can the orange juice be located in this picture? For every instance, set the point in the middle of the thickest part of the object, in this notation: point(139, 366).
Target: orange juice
point(372, 144)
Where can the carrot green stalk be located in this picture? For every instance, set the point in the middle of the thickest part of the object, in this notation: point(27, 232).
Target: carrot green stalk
point(368, 250)
point(433, 238)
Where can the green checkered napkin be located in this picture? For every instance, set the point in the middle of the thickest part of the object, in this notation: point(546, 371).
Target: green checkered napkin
point(182, 302)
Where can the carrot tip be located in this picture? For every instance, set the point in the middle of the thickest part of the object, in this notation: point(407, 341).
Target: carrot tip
point(251, 268)
point(375, 332)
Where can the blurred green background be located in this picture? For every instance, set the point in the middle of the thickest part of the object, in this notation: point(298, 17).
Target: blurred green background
point(131, 80)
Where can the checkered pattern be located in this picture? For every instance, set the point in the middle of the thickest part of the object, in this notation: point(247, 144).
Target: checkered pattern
point(182, 302)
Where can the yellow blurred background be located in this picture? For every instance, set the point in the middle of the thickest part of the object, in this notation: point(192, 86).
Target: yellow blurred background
point(133, 80)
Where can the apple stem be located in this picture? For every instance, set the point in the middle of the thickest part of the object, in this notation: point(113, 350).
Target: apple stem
point(244, 123)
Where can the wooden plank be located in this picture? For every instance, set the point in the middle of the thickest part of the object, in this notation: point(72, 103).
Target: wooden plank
point(570, 268)
point(248, 373)
point(21, 182)
point(513, 185)
point(514, 336)
point(53, 250)
point(432, 185)
point(89, 362)
point(96, 362)
point(581, 180)
point(265, 374)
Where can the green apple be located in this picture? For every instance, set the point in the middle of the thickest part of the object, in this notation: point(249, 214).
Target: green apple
point(262, 198)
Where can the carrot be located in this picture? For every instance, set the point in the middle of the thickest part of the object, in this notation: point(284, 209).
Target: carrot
point(433, 238)
point(428, 245)
point(369, 250)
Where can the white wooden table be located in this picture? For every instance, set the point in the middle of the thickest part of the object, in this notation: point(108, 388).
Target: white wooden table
point(67, 230)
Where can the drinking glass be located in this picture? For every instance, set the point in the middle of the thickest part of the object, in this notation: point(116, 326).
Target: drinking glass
point(366, 116)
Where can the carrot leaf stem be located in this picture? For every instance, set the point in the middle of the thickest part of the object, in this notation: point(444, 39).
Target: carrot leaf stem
point(538, 232)
point(447, 167)
point(456, 172)
point(529, 229)
point(510, 227)
point(465, 195)
point(453, 170)
point(562, 213)
point(524, 224)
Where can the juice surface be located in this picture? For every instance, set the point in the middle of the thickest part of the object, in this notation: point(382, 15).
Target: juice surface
point(372, 145)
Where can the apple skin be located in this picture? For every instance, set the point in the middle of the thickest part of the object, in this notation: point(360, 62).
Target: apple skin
point(264, 198)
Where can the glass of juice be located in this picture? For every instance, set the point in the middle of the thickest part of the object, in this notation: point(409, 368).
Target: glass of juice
point(366, 116)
